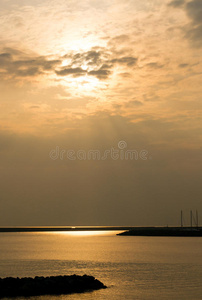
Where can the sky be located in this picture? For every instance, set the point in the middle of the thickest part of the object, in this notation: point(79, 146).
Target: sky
point(100, 112)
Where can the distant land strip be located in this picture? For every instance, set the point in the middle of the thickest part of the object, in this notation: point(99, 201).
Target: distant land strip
point(128, 230)
point(64, 228)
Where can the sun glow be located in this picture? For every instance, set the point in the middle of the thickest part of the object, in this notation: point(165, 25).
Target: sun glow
point(82, 83)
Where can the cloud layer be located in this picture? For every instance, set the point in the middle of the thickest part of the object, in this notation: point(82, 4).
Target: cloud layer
point(97, 63)
point(193, 9)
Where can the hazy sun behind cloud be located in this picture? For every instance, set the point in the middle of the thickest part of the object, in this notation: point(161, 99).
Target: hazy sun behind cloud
point(108, 57)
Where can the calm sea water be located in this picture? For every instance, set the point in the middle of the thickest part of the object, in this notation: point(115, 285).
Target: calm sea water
point(132, 267)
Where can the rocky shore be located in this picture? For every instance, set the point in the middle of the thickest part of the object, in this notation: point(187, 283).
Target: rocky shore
point(54, 285)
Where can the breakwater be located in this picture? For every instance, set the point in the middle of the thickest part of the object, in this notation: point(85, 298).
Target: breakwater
point(163, 231)
point(53, 285)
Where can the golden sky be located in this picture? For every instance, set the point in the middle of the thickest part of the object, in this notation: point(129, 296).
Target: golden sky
point(87, 74)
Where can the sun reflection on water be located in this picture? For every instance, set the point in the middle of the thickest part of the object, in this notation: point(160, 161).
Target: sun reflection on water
point(86, 233)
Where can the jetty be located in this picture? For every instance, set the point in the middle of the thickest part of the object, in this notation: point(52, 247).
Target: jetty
point(54, 285)
point(164, 231)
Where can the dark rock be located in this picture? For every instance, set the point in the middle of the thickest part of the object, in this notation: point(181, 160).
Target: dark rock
point(53, 285)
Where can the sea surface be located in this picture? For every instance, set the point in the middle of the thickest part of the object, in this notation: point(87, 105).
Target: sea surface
point(132, 267)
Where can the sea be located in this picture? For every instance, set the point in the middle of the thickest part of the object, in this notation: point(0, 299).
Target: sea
point(146, 268)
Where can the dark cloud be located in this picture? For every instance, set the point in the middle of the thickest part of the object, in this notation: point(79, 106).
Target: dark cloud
point(15, 52)
point(176, 3)
point(195, 36)
point(193, 31)
point(71, 71)
point(5, 56)
point(154, 65)
point(98, 61)
point(183, 65)
point(194, 11)
point(103, 72)
point(17, 64)
point(93, 57)
point(100, 74)
point(126, 60)
point(29, 72)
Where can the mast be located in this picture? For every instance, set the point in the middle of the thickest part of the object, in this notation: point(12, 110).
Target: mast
point(196, 218)
point(191, 218)
point(181, 219)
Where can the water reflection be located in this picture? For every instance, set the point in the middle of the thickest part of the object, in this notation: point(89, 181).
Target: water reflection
point(86, 233)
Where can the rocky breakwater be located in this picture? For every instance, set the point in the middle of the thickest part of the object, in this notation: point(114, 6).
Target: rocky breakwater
point(53, 285)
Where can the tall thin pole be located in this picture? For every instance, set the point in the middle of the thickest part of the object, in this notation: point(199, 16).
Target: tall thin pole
point(191, 218)
point(181, 219)
point(196, 218)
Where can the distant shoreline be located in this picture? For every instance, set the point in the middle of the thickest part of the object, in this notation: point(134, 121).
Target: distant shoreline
point(128, 230)
point(64, 228)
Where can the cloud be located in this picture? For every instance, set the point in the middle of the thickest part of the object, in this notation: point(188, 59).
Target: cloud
point(100, 74)
point(71, 71)
point(119, 39)
point(16, 63)
point(195, 36)
point(99, 63)
point(126, 60)
point(154, 65)
point(194, 11)
point(29, 72)
point(183, 65)
point(5, 56)
point(125, 75)
point(176, 3)
point(193, 31)
point(95, 58)
point(91, 57)
point(133, 103)
point(95, 62)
